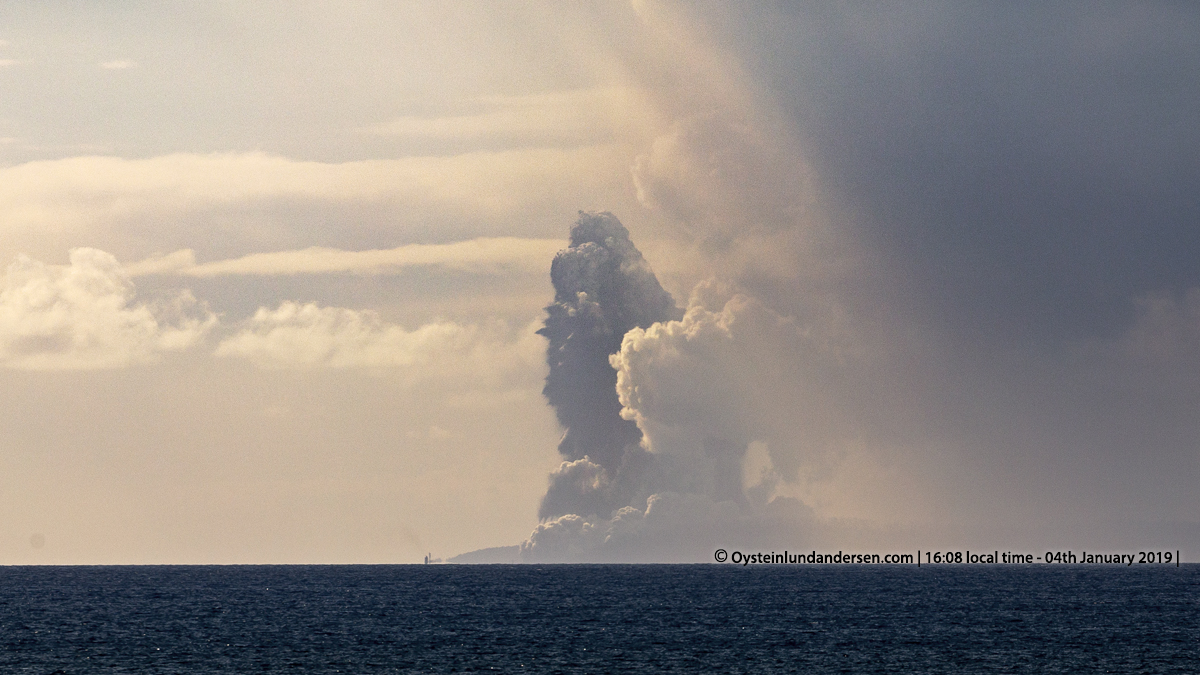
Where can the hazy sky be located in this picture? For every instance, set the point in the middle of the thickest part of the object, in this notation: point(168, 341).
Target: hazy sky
point(275, 272)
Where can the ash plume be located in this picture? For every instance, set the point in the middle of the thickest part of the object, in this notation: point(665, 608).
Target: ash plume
point(603, 288)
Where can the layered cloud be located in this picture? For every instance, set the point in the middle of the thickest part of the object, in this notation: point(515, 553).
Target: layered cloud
point(238, 203)
point(82, 316)
point(307, 336)
point(560, 118)
point(487, 254)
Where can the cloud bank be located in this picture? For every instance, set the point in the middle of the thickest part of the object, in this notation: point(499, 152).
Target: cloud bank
point(488, 356)
point(81, 317)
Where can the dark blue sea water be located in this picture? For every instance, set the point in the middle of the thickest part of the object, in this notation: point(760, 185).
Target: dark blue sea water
point(599, 619)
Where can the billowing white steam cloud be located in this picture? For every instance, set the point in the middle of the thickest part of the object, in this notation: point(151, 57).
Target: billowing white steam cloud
point(80, 317)
point(697, 389)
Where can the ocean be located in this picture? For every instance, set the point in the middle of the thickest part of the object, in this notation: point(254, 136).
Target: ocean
point(600, 619)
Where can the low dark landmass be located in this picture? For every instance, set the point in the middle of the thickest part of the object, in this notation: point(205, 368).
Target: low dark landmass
point(497, 555)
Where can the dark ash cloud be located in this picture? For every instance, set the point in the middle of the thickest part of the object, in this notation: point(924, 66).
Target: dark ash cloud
point(1027, 169)
point(603, 288)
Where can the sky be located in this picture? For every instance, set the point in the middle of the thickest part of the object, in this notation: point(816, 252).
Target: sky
point(276, 272)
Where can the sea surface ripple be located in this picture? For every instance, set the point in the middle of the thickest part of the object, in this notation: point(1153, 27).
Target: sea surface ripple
point(599, 619)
